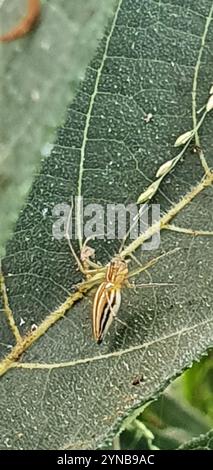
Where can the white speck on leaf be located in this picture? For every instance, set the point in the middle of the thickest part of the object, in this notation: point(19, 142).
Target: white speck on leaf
point(34, 327)
point(45, 45)
point(46, 150)
point(148, 118)
point(45, 211)
point(35, 95)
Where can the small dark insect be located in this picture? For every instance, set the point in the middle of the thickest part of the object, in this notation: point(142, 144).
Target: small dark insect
point(26, 24)
point(137, 380)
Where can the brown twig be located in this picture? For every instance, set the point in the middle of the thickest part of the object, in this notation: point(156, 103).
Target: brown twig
point(26, 24)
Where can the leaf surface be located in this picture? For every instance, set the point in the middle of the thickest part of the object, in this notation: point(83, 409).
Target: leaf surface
point(203, 442)
point(69, 392)
point(38, 77)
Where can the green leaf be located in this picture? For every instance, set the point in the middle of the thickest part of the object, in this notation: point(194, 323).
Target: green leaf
point(203, 442)
point(166, 423)
point(38, 76)
point(67, 391)
point(198, 386)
